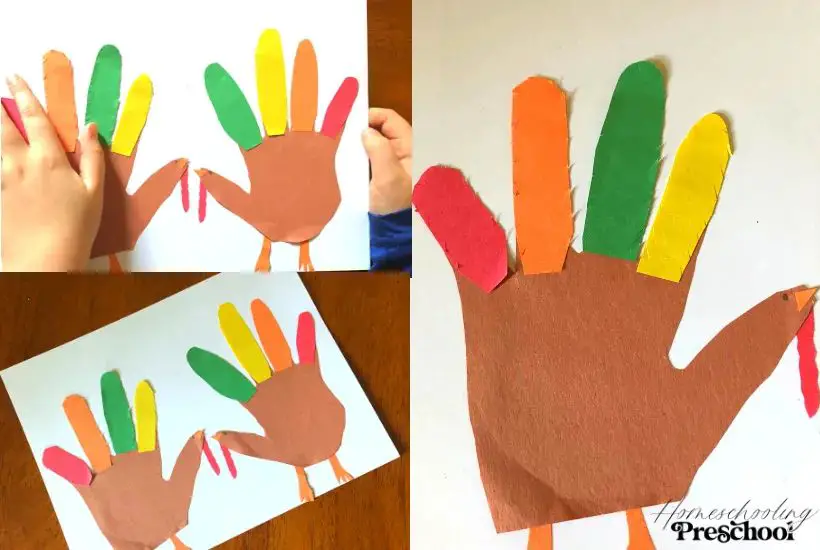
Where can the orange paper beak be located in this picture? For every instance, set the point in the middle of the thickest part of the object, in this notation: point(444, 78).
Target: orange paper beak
point(803, 297)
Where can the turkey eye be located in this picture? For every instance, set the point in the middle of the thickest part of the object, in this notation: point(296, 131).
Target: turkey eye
point(785, 297)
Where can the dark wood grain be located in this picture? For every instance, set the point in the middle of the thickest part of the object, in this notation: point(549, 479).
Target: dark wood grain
point(389, 50)
point(368, 314)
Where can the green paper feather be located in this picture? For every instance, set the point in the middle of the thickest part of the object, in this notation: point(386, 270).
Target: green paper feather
point(232, 109)
point(220, 375)
point(117, 413)
point(104, 92)
point(626, 164)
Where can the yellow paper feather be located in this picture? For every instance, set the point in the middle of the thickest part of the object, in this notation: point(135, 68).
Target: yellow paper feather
point(270, 83)
point(146, 412)
point(134, 116)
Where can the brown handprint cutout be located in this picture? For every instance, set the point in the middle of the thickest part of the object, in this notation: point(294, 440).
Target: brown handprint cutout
point(303, 421)
point(134, 506)
point(575, 407)
point(294, 190)
point(124, 216)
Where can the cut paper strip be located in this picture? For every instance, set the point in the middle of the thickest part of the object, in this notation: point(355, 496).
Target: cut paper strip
point(87, 431)
point(465, 229)
point(134, 116)
point(58, 79)
point(71, 468)
point(639, 537)
point(203, 202)
point(304, 101)
point(117, 413)
point(231, 107)
point(271, 336)
point(243, 343)
point(306, 338)
point(540, 538)
point(14, 114)
point(104, 92)
point(270, 82)
point(220, 375)
point(339, 108)
point(183, 183)
point(209, 456)
point(689, 199)
point(226, 453)
point(541, 185)
point(146, 412)
point(807, 352)
point(626, 164)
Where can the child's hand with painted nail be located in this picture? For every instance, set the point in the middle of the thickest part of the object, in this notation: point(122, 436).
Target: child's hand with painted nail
point(50, 212)
point(389, 145)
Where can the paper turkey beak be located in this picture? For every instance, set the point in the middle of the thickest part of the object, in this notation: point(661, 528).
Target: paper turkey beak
point(804, 297)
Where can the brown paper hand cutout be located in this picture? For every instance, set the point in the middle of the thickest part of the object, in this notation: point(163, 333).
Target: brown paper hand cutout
point(294, 190)
point(575, 407)
point(303, 422)
point(133, 505)
point(125, 216)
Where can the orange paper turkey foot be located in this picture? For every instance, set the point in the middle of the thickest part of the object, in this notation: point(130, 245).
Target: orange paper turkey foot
point(178, 544)
point(114, 264)
point(540, 538)
point(639, 537)
point(304, 257)
point(263, 262)
point(305, 491)
point(342, 476)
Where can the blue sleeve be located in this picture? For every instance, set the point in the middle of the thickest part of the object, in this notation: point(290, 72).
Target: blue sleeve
point(391, 241)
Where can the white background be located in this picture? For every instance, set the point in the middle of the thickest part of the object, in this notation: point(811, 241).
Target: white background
point(750, 59)
point(151, 344)
point(173, 42)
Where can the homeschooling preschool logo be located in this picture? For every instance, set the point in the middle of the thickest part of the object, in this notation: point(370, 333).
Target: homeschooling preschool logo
point(744, 523)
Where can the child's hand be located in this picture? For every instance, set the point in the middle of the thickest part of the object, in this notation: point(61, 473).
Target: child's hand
point(389, 144)
point(50, 213)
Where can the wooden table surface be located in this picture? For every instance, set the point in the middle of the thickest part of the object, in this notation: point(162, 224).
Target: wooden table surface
point(367, 313)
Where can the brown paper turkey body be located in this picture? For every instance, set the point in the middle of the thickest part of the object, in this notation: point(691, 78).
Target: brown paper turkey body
point(575, 407)
point(303, 422)
point(294, 191)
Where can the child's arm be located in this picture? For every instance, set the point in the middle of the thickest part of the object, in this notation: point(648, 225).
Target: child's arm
point(389, 144)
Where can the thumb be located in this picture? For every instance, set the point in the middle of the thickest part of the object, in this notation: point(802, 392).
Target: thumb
point(92, 159)
point(248, 444)
point(186, 468)
point(383, 159)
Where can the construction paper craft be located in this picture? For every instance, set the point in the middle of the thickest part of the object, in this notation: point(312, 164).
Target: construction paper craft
point(552, 444)
point(132, 504)
point(310, 410)
point(808, 366)
point(303, 421)
point(125, 216)
point(294, 189)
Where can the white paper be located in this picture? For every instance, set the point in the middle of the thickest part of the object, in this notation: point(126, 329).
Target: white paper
point(173, 42)
point(745, 58)
point(151, 344)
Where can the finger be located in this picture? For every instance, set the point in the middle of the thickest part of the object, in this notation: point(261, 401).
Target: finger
point(271, 336)
point(339, 108)
point(58, 78)
point(39, 130)
point(223, 377)
point(228, 194)
point(146, 413)
point(626, 164)
point(117, 413)
point(390, 124)
point(243, 343)
point(134, 116)
point(248, 444)
point(104, 92)
point(92, 160)
point(304, 89)
point(14, 137)
point(186, 467)
point(68, 466)
point(541, 197)
point(87, 432)
point(156, 190)
point(306, 339)
point(382, 155)
point(689, 199)
point(465, 229)
point(231, 107)
point(270, 83)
